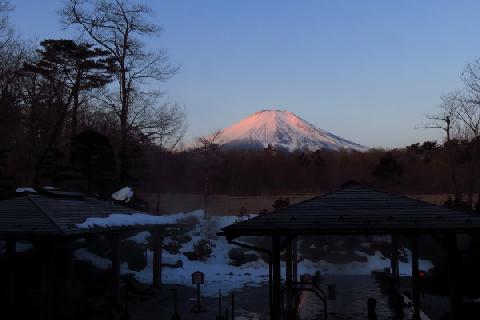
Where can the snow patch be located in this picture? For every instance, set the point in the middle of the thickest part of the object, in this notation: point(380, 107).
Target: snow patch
point(125, 194)
point(23, 246)
point(135, 219)
point(25, 189)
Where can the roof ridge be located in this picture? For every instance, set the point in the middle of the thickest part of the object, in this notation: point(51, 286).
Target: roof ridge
point(452, 211)
point(354, 184)
point(291, 206)
point(45, 213)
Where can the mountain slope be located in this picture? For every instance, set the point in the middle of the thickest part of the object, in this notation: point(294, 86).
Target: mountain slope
point(283, 130)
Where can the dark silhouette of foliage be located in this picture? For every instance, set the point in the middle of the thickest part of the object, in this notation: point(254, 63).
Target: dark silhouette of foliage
point(202, 249)
point(120, 27)
point(76, 67)
point(281, 203)
point(93, 155)
point(6, 182)
point(457, 203)
point(477, 205)
point(68, 69)
point(388, 167)
point(239, 256)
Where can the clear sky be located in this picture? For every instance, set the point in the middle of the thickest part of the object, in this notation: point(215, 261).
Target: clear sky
point(368, 71)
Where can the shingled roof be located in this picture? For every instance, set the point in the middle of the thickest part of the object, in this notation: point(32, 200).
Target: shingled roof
point(54, 214)
point(356, 209)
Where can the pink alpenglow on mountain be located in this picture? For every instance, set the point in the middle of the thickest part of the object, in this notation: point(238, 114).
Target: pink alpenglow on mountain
point(283, 130)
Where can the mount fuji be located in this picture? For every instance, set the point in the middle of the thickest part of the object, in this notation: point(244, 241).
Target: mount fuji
point(283, 130)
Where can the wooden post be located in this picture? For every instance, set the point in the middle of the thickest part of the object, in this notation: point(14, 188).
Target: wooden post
point(11, 250)
point(115, 270)
point(288, 279)
point(394, 260)
point(275, 313)
point(295, 271)
point(46, 280)
point(415, 279)
point(392, 257)
point(64, 279)
point(157, 258)
point(455, 298)
point(270, 283)
point(295, 260)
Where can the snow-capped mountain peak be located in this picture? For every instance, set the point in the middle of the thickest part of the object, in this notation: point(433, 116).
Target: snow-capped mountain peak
point(283, 130)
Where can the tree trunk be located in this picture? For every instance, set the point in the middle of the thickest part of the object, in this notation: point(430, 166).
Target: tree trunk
point(51, 142)
point(471, 177)
point(123, 127)
point(75, 106)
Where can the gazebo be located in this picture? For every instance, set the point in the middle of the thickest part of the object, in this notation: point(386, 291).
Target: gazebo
point(51, 221)
point(355, 209)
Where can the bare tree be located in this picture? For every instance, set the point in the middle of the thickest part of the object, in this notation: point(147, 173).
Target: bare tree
point(448, 120)
point(168, 126)
point(470, 117)
point(6, 31)
point(119, 26)
point(448, 116)
point(209, 147)
point(460, 111)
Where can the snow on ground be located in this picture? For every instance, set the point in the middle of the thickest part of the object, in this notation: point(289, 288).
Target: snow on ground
point(134, 219)
point(141, 237)
point(23, 246)
point(124, 194)
point(25, 189)
point(375, 262)
point(219, 274)
point(85, 255)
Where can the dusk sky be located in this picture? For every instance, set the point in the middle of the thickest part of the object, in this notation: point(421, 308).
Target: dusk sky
point(368, 71)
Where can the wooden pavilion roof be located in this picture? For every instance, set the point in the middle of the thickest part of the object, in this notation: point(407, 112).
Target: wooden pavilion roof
point(56, 214)
point(356, 209)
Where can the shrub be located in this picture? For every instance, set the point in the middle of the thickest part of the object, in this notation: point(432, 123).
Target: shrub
point(388, 167)
point(172, 247)
point(243, 211)
point(281, 203)
point(202, 249)
point(181, 238)
point(190, 255)
point(210, 228)
point(240, 257)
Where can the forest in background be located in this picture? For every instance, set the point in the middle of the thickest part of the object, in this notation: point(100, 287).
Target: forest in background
point(420, 169)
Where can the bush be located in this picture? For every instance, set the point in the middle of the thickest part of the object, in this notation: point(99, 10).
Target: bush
point(388, 167)
point(181, 238)
point(240, 257)
point(281, 203)
point(172, 247)
point(202, 249)
point(210, 228)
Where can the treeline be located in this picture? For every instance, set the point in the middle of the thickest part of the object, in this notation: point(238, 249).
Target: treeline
point(77, 112)
point(419, 168)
